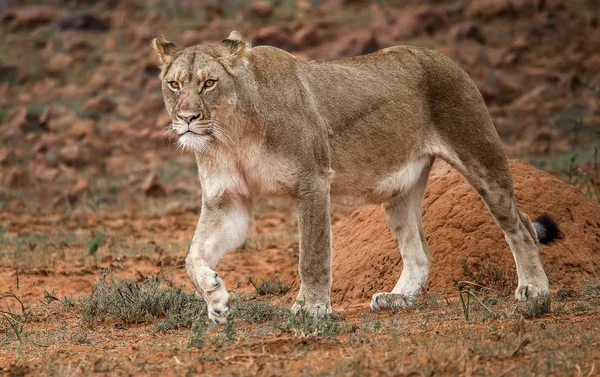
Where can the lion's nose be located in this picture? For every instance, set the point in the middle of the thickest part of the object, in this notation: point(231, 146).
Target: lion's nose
point(187, 117)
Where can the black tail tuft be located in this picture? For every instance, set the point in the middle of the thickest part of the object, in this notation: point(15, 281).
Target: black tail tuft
point(546, 229)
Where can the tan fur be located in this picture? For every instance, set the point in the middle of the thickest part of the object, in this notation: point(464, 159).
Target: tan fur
point(358, 130)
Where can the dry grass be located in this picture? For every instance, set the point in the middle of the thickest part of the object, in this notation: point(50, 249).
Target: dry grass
point(269, 287)
point(128, 302)
point(487, 275)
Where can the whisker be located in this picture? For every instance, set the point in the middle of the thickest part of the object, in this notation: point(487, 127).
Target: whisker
point(223, 132)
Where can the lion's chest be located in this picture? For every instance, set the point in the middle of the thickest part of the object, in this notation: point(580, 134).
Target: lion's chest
point(251, 172)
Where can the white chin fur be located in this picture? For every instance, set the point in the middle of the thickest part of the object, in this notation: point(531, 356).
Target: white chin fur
point(193, 143)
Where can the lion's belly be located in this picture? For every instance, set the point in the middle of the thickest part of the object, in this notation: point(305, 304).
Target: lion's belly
point(352, 190)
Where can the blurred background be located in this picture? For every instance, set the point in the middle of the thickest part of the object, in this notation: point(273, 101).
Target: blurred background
point(82, 117)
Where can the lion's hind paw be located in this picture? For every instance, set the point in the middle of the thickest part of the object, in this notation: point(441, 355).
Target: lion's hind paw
point(385, 300)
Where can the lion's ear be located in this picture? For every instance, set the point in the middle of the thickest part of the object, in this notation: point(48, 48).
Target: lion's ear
point(234, 49)
point(165, 49)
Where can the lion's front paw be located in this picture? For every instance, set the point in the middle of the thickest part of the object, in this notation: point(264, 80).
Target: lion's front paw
point(315, 310)
point(386, 300)
point(218, 306)
point(218, 302)
point(527, 291)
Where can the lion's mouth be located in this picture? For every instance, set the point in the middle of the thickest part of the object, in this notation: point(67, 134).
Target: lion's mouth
point(198, 132)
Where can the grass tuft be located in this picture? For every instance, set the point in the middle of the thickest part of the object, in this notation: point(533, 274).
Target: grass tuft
point(96, 242)
point(199, 328)
point(270, 287)
point(536, 307)
point(489, 275)
point(303, 325)
point(258, 312)
point(128, 302)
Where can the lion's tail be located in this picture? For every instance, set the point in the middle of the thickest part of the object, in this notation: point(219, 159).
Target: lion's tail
point(546, 229)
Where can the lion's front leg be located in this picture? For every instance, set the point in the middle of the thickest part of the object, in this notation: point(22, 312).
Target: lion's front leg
point(223, 226)
point(315, 249)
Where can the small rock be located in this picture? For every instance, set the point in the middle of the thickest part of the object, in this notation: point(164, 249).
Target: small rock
point(4, 155)
point(80, 186)
point(273, 36)
point(70, 155)
point(117, 164)
point(82, 22)
point(58, 118)
point(487, 9)
point(467, 30)
point(359, 42)
point(150, 104)
point(99, 105)
point(592, 64)
point(46, 142)
point(411, 22)
point(59, 63)
point(309, 35)
point(191, 38)
point(47, 175)
point(464, 51)
point(501, 56)
point(530, 101)
point(520, 43)
point(14, 122)
point(261, 9)
point(83, 128)
point(118, 127)
point(213, 11)
point(126, 109)
point(153, 186)
point(28, 17)
point(511, 81)
point(68, 172)
point(17, 176)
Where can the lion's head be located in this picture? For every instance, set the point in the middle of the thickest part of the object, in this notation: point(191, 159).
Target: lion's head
point(198, 88)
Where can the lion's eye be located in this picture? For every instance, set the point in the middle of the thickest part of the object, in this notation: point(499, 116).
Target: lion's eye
point(173, 85)
point(209, 83)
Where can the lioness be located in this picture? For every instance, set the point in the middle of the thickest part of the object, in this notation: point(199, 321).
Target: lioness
point(359, 130)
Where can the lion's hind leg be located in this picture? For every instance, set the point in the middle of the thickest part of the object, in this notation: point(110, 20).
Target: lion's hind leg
point(403, 215)
point(491, 177)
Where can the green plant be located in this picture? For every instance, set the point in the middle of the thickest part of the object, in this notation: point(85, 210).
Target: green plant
point(17, 323)
point(270, 287)
point(97, 241)
point(128, 302)
point(199, 328)
point(230, 327)
point(466, 305)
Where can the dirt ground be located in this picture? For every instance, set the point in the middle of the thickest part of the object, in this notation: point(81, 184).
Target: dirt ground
point(433, 339)
point(97, 207)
